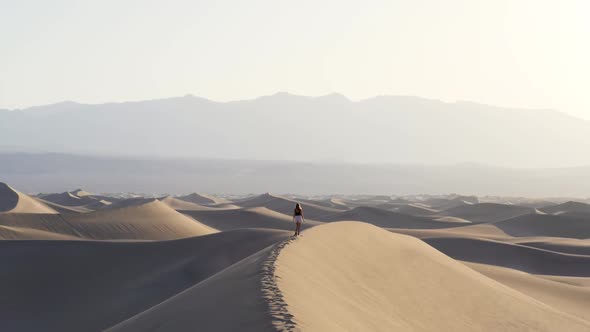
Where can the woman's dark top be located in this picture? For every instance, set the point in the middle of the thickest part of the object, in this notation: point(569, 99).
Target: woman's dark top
point(298, 212)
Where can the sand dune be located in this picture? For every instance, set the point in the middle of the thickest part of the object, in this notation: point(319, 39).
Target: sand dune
point(151, 220)
point(564, 245)
point(225, 206)
point(203, 199)
point(448, 203)
point(451, 219)
point(26, 233)
point(129, 202)
point(27, 226)
point(68, 199)
point(553, 232)
point(486, 212)
point(178, 204)
point(232, 300)
point(515, 256)
point(12, 201)
point(174, 264)
point(485, 231)
point(383, 202)
point(569, 206)
point(91, 285)
point(285, 205)
point(81, 193)
point(148, 221)
point(546, 225)
point(575, 214)
point(75, 201)
point(571, 299)
point(387, 219)
point(64, 209)
point(382, 206)
point(328, 284)
point(324, 282)
point(415, 210)
point(259, 217)
point(332, 203)
point(574, 281)
point(534, 203)
point(65, 199)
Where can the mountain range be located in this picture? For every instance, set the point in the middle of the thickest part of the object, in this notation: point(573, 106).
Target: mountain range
point(283, 126)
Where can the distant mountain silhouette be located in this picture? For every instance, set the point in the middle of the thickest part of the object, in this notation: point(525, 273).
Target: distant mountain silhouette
point(283, 126)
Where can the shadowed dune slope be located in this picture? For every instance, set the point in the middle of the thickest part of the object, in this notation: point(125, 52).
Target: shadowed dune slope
point(47, 285)
point(536, 203)
point(12, 201)
point(546, 225)
point(582, 215)
point(35, 226)
point(202, 199)
point(81, 193)
point(567, 207)
point(519, 257)
point(356, 277)
point(448, 203)
point(24, 233)
point(68, 199)
point(569, 298)
point(246, 218)
point(128, 202)
point(286, 206)
point(178, 204)
point(75, 201)
point(486, 212)
point(574, 281)
point(563, 245)
point(65, 199)
point(332, 203)
point(64, 209)
point(383, 202)
point(415, 210)
point(225, 206)
point(238, 298)
point(452, 219)
point(388, 219)
point(486, 231)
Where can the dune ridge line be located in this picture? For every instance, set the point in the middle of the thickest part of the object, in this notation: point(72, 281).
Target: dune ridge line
point(282, 319)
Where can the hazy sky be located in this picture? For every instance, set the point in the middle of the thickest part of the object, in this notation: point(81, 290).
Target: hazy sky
point(511, 53)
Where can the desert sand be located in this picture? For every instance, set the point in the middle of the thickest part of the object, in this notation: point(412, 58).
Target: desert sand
point(77, 261)
point(334, 279)
point(285, 205)
point(12, 201)
point(178, 204)
point(258, 217)
point(486, 212)
point(567, 207)
point(92, 285)
point(203, 199)
point(147, 219)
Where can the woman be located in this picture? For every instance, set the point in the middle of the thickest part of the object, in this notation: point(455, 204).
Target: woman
point(298, 218)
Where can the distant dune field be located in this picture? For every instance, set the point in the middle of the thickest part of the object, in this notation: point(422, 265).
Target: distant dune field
point(79, 261)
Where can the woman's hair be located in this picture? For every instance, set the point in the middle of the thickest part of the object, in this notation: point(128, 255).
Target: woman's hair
point(298, 207)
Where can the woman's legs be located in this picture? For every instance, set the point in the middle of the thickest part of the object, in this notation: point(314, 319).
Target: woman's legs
point(297, 228)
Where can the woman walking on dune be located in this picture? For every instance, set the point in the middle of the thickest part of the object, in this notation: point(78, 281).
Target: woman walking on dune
point(298, 218)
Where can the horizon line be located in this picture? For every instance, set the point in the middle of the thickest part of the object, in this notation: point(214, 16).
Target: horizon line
point(127, 157)
point(286, 93)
